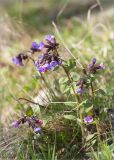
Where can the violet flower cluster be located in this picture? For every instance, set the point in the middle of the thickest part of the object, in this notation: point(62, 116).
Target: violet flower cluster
point(49, 58)
point(18, 60)
point(92, 68)
point(33, 122)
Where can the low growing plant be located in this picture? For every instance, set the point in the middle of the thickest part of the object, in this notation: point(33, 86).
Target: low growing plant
point(81, 122)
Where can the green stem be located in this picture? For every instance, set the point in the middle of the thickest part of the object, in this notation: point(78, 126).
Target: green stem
point(79, 114)
point(82, 127)
point(97, 127)
point(92, 90)
point(93, 96)
point(77, 99)
point(70, 81)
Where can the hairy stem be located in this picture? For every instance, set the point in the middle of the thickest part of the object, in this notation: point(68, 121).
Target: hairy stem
point(93, 97)
point(92, 90)
point(79, 114)
point(70, 81)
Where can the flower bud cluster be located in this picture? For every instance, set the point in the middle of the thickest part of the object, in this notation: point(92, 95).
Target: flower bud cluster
point(91, 69)
point(33, 122)
point(48, 60)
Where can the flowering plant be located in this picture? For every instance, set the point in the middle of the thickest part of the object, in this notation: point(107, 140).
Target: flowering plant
point(83, 96)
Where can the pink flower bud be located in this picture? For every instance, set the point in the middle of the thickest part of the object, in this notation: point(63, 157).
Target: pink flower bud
point(40, 122)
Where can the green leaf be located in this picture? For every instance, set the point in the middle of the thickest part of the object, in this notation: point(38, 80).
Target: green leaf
point(88, 81)
point(29, 111)
point(63, 80)
point(75, 76)
point(89, 137)
point(79, 120)
point(67, 89)
point(70, 117)
point(71, 104)
point(71, 63)
point(92, 77)
point(88, 109)
point(64, 88)
point(93, 142)
point(83, 102)
point(102, 92)
point(111, 146)
point(36, 109)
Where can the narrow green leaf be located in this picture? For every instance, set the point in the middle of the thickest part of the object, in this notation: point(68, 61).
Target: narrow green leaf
point(70, 117)
point(29, 111)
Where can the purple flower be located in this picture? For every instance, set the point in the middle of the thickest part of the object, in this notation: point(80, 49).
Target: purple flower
point(37, 47)
point(41, 57)
point(79, 91)
point(101, 66)
point(17, 60)
point(50, 38)
point(37, 130)
point(59, 62)
point(37, 64)
point(44, 67)
point(94, 60)
point(91, 65)
point(15, 124)
point(47, 66)
point(41, 46)
point(53, 64)
point(88, 119)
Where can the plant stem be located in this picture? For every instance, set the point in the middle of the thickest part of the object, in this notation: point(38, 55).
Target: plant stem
point(79, 114)
point(77, 99)
point(82, 127)
point(70, 81)
point(92, 90)
point(93, 96)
